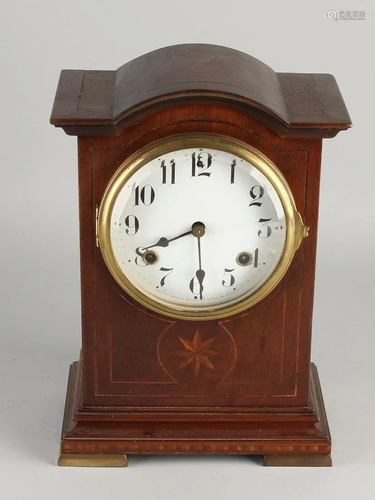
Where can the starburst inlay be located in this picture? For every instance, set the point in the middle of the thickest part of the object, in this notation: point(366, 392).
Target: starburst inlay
point(196, 353)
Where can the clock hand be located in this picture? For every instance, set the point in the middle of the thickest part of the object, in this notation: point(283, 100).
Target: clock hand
point(198, 232)
point(164, 242)
point(200, 274)
point(197, 229)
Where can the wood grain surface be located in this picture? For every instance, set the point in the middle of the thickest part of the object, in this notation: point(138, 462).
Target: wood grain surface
point(255, 393)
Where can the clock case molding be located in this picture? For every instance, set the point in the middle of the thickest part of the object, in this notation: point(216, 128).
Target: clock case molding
point(127, 394)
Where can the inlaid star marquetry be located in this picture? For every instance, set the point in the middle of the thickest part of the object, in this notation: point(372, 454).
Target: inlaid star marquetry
point(196, 353)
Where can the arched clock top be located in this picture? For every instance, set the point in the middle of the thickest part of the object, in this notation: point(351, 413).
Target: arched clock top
point(91, 103)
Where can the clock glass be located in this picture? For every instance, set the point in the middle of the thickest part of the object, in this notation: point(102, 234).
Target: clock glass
point(197, 226)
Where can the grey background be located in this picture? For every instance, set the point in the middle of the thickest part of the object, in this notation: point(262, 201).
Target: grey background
point(40, 302)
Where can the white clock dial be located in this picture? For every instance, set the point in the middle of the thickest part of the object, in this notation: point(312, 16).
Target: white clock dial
point(197, 228)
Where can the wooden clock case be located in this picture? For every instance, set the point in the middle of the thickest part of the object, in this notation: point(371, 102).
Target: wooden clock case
point(128, 392)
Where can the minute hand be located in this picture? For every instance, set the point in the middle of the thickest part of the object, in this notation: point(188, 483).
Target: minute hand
point(200, 274)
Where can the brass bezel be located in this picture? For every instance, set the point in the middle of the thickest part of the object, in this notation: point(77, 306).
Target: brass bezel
point(296, 230)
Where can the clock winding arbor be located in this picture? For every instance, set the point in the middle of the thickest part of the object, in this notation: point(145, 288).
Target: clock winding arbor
point(244, 383)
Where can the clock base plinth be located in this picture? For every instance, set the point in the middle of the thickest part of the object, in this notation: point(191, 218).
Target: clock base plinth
point(285, 436)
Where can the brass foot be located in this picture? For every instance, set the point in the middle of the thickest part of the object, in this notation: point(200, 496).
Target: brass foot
point(297, 461)
point(98, 460)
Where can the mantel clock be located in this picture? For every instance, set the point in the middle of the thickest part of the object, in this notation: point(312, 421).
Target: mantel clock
point(198, 192)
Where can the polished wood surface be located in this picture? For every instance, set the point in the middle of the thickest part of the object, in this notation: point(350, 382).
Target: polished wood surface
point(129, 394)
point(283, 433)
point(292, 104)
point(264, 353)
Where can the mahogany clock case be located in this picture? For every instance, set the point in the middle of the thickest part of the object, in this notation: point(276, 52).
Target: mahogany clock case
point(128, 393)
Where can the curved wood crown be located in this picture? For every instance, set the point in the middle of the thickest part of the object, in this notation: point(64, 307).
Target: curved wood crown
point(292, 104)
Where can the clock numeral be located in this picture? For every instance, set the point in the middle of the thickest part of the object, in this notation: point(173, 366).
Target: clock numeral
point(165, 170)
point(256, 193)
point(265, 232)
point(196, 287)
point(164, 269)
point(229, 278)
point(132, 225)
point(146, 195)
point(139, 259)
point(255, 257)
point(202, 161)
point(232, 171)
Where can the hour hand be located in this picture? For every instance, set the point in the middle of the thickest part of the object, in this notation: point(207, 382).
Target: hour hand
point(164, 242)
